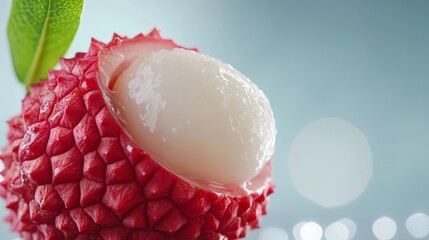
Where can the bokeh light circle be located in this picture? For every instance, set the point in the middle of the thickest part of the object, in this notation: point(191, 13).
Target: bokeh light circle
point(418, 225)
point(297, 230)
point(351, 226)
point(311, 231)
point(337, 231)
point(273, 233)
point(330, 162)
point(384, 228)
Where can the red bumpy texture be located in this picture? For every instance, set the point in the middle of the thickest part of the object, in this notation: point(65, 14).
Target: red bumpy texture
point(72, 173)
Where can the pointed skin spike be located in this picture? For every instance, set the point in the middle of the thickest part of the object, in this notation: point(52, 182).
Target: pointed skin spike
point(86, 136)
point(106, 124)
point(122, 197)
point(95, 47)
point(93, 102)
point(156, 209)
point(232, 230)
point(83, 66)
point(23, 213)
point(154, 33)
point(211, 223)
point(147, 235)
point(110, 150)
point(69, 193)
point(65, 223)
point(88, 82)
point(65, 85)
point(91, 191)
point(171, 222)
point(31, 108)
point(60, 141)
point(84, 223)
point(116, 38)
point(102, 215)
point(159, 185)
point(75, 109)
point(131, 150)
point(199, 205)
point(48, 199)
point(37, 214)
point(119, 171)
point(229, 215)
point(50, 232)
point(116, 233)
point(182, 192)
point(47, 101)
point(94, 168)
point(34, 141)
point(192, 229)
point(244, 205)
point(144, 171)
point(38, 170)
point(67, 166)
point(136, 218)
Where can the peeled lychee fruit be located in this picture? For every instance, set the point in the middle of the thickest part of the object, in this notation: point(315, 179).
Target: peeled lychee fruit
point(139, 139)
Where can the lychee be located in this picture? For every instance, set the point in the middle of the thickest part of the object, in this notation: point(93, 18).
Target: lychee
point(139, 139)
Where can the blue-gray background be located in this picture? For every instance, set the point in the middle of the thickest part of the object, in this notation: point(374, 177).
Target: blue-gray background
point(363, 61)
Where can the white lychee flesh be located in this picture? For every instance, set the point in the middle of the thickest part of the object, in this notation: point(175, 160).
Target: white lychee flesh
point(195, 115)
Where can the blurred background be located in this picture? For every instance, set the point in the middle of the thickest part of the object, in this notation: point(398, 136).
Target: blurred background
point(348, 82)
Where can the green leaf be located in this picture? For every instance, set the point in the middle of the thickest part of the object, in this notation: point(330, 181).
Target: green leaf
point(40, 32)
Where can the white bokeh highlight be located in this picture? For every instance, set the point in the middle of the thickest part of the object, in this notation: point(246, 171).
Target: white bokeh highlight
point(351, 226)
point(274, 233)
point(337, 231)
point(330, 162)
point(311, 231)
point(418, 225)
point(297, 230)
point(384, 228)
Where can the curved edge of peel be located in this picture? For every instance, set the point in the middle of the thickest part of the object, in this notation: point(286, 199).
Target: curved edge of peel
point(99, 50)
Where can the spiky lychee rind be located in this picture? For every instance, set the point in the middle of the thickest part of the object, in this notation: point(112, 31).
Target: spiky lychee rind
point(72, 173)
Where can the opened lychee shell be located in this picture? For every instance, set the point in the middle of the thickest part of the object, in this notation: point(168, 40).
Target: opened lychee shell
point(72, 172)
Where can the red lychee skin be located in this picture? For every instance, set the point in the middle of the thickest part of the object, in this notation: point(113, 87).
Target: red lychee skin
point(72, 173)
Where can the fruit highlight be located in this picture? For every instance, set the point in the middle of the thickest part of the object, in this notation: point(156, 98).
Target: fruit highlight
point(74, 170)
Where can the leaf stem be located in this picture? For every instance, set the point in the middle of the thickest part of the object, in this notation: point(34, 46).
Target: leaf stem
point(39, 50)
